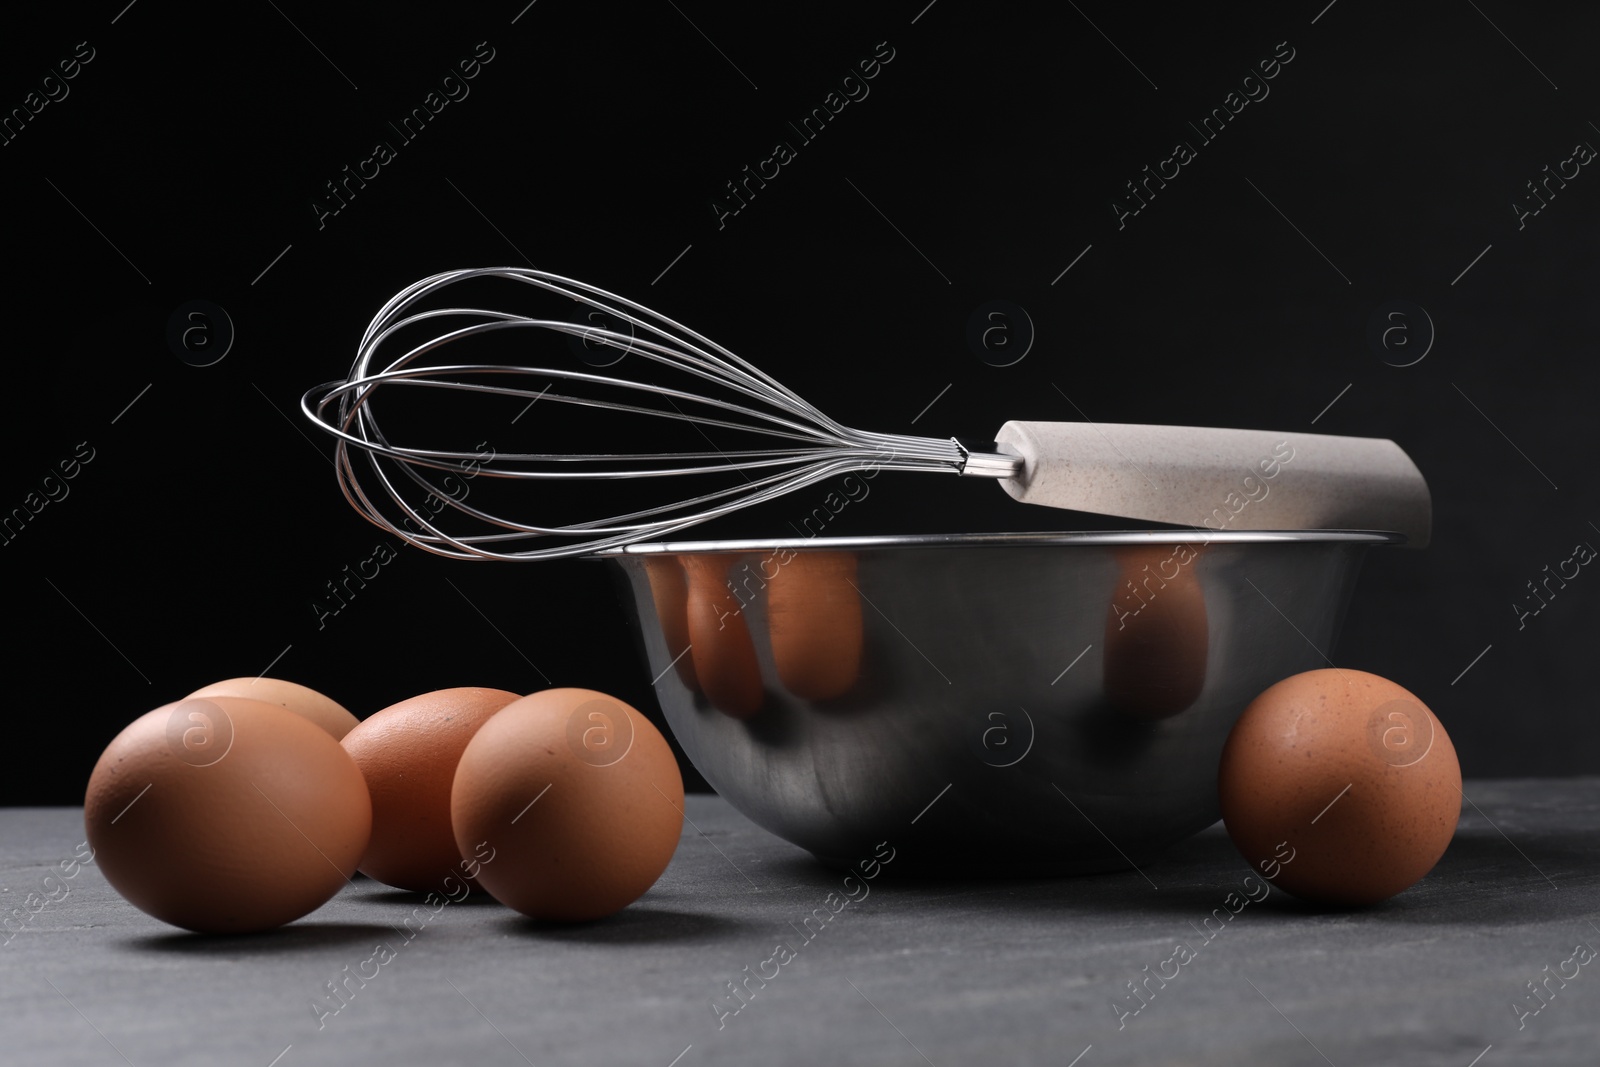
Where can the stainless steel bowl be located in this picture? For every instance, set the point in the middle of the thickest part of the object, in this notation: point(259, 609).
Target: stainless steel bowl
point(985, 704)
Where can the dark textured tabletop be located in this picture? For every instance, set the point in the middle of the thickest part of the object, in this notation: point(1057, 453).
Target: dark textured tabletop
point(1486, 962)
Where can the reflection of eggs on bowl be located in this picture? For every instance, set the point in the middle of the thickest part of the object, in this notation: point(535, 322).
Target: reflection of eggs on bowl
point(669, 589)
point(724, 656)
point(1157, 639)
point(814, 622)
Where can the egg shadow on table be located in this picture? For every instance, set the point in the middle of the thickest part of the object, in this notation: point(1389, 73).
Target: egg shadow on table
point(1481, 874)
point(295, 937)
point(406, 898)
point(634, 925)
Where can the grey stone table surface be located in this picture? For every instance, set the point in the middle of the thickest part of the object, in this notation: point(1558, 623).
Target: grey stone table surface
point(895, 970)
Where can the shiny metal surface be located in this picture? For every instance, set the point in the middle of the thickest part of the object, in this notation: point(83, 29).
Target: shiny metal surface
point(988, 704)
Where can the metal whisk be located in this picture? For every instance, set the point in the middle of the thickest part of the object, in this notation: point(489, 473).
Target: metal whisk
point(409, 481)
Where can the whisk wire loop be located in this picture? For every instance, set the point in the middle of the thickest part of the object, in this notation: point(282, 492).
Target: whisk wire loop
point(811, 446)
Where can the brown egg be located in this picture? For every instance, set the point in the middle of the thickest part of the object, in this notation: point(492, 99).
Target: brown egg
point(224, 815)
point(724, 656)
point(1157, 638)
point(324, 711)
point(1340, 786)
point(408, 753)
point(814, 623)
point(573, 799)
point(669, 588)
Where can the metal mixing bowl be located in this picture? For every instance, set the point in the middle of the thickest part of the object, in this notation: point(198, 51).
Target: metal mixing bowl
point(992, 703)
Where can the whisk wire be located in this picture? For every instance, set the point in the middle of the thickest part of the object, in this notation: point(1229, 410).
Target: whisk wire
point(817, 447)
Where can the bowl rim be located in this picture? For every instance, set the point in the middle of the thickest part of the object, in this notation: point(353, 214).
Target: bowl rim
point(1008, 540)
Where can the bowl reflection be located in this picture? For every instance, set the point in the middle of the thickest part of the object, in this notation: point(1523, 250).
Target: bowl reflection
point(1001, 703)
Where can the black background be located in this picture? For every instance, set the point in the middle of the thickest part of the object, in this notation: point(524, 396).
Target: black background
point(188, 154)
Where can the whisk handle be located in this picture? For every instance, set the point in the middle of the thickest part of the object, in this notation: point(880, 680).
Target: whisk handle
point(1220, 479)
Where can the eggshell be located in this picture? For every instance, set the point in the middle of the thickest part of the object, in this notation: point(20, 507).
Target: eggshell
point(724, 656)
point(408, 753)
point(814, 624)
point(224, 815)
point(1340, 786)
point(577, 799)
point(322, 710)
point(1157, 638)
point(669, 588)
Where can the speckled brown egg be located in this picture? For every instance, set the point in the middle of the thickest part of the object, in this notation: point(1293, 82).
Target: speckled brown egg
point(1339, 786)
point(814, 624)
point(224, 815)
point(408, 754)
point(575, 801)
point(725, 661)
point(326, 712)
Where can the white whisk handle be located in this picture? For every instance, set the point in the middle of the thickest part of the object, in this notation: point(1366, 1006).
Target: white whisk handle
point(1220, 478)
